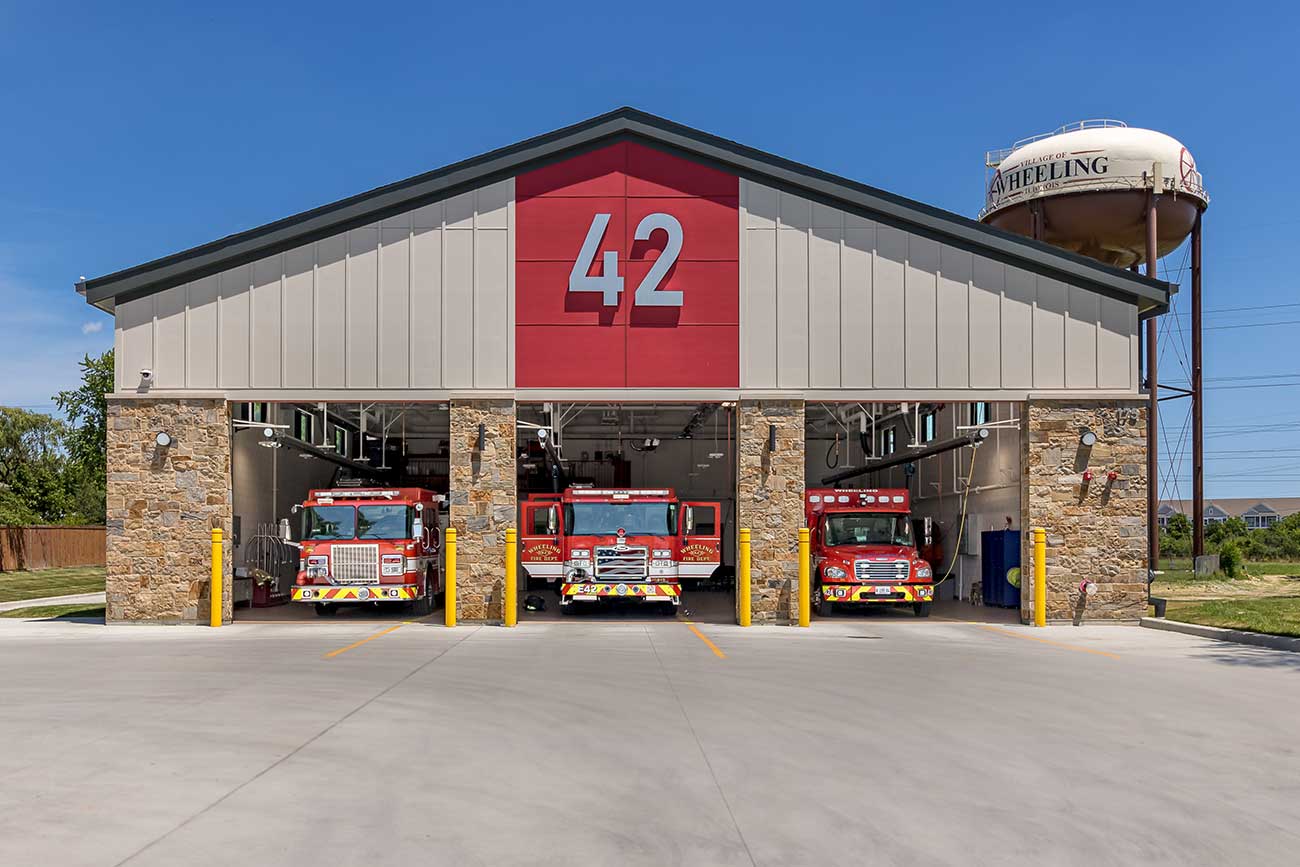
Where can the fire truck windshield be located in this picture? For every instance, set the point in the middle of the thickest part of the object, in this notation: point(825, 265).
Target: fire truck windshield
point(868, 528)
point(357, 522)
point(606, 519)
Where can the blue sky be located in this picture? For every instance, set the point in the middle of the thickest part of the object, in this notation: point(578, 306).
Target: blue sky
point(135, 130)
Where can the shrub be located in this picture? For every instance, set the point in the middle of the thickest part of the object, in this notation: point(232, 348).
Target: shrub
point(1230, 558)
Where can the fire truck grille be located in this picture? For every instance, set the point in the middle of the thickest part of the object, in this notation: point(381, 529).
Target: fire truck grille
point(629, 564)
point(866, 570)
point(354, 564)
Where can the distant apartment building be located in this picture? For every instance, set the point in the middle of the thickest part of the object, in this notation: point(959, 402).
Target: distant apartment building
point(1257, 513)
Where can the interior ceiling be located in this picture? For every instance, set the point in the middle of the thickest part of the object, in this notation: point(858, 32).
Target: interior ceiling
point(604, 421)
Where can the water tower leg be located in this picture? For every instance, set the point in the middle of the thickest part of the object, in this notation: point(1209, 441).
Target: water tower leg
point(1198, 396)
point(1153, 423)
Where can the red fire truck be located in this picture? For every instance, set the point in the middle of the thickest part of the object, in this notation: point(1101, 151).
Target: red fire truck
point(370, 545)
point(633, 544)
point(863, 551)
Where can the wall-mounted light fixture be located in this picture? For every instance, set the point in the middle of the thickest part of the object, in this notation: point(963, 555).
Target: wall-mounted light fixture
point(771, 438)
point(163, 440)
point(1087, 439)
point(482, 437)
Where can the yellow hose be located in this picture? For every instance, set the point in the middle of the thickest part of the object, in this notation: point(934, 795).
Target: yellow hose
point(961, 527)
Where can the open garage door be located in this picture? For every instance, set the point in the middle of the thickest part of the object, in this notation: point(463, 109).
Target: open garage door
point(931, 525)
point(339, 509)
point(627, 510)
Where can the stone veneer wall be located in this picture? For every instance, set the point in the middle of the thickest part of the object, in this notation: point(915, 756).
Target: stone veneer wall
point(162, 506)
point(769, 501)
point(1096, 530)
point(482, 503)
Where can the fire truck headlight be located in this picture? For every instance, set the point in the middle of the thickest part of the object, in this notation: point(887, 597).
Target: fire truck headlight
point(577, 573)
point(833, 572)
point(662, 553)
point(318, 560)
point(580, 554)
point(923, 571)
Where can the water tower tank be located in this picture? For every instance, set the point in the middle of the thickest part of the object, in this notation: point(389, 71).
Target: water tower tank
point(1089, 182)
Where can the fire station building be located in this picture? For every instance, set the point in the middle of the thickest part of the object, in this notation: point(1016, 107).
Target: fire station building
point(676, 310)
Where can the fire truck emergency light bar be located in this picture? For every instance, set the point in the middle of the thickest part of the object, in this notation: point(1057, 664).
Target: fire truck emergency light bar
point(843, 498)
point(369, 495)
point(593, 492)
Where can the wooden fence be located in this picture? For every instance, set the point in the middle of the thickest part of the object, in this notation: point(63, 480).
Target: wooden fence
point(50, 547)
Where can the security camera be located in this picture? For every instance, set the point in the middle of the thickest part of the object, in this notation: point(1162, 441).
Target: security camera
point(146, 375)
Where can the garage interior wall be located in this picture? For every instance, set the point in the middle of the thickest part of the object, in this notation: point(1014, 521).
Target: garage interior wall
point(939, 480)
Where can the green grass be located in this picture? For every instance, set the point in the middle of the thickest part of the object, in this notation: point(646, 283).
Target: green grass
point(1273, 616)
point(1273, 568)
point(48, 611)
point(51, 582)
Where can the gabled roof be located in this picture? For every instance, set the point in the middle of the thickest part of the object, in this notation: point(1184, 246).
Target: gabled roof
point(1151, 296)
point(1239, 507)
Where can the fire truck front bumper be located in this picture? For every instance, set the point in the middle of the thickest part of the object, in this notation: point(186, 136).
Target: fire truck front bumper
point(590, 591)
point(878, 592)
point(374, 593)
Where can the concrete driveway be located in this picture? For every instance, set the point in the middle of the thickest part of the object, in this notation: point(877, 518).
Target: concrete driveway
point(860, 741)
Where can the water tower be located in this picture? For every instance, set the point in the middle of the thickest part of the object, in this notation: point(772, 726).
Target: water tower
point(1123, 196)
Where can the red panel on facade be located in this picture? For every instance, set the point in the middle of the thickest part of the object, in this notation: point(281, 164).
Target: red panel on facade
point(581, 356)
point(601, 172)
point(694, 356)
point(683, 328)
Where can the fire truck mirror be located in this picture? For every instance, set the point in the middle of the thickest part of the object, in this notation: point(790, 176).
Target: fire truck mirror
point(296, 509)
point(690, 520)
point(419, 507)
point(417, 529)
point(928, 528)
point(285, 533)
point(551, 524)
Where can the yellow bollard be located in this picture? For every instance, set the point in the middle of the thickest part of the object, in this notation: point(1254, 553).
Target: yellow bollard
point(449, 588)
point(805, 591)
point(512, 577)
point(742, 578)
point(214, 588)
point(1040, 576)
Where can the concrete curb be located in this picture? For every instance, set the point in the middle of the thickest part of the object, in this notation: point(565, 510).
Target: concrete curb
point(74, 599)
point(1258, 639)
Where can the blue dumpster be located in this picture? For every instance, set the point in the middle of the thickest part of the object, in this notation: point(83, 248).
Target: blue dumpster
point(999, 555)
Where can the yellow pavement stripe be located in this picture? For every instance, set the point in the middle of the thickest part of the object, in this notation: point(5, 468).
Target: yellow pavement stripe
point(702, 637)
point(380, 634)
point(1104, 653)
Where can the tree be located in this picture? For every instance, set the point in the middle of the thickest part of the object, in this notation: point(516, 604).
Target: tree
point(32, 483)
point(1179, 527)
point(86, 409)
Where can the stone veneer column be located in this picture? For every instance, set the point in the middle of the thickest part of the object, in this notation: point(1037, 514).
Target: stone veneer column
point(769, 501)
point(162, 506)
point(483, 502)
point(1095, 531)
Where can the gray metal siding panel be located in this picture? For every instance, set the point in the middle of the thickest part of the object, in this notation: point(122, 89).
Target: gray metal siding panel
point(1049, 334)
point(758, 309)
point(135, 325)
point(1116, 344)
point(988, 282)
point(1081, 332)
point(331, 313)
point(824, 305)
point(888, 322)
point(394, 306)
point(426, 304)
point(458, 307)
point(201, 333)
point(362, 308)
point(1018, 328)
point(920, 313)
point(952, 310)
point(791, 305)
point(491, 325)
point(298, 312)
point(169, 337)
point(266, 334)
point(855, 302)
point(233, 327)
